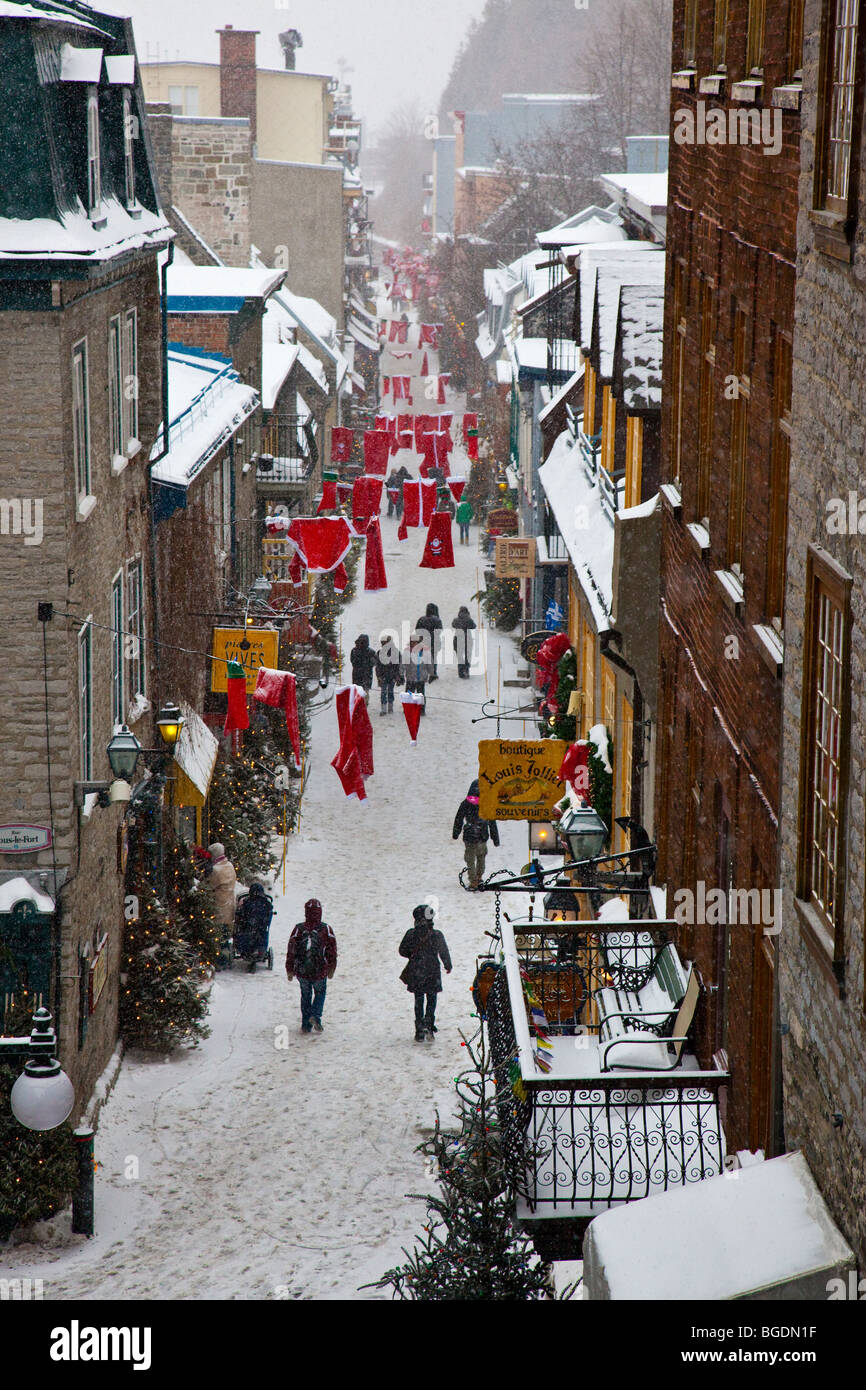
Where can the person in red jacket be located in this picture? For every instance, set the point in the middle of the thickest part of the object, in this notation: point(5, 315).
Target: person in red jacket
point(312, 956)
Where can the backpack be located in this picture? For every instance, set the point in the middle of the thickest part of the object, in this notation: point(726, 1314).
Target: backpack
point(310, 954)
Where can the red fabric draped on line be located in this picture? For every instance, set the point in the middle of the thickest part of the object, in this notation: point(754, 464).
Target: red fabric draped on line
point(438, 550)
point(377, 451)
point(329, 496)
point(354, 759)
point(322, 542)
point(428, 499)
point(341, 444)
point(237, 716)
point(456, 486)
point(366, 500)
point(412, 707)
point(374, 560)
point(279, 689)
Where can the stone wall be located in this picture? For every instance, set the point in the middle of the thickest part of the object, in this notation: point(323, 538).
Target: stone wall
point(210, 182)
point(823, 1043)
point(297, 223)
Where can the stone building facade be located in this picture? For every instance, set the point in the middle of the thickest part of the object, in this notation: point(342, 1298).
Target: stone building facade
point(80, 408)
point(731, 248)
point(821, 950)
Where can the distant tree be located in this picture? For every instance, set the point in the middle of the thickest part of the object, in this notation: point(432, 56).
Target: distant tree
point(400, 158)
point(627, 60)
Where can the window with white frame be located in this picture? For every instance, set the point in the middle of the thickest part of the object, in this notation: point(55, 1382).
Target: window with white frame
point(175, 98)
point(130, 130)
point(85, 701)
point(94, 167)
point(130, 382)
point(115, 387)
point(227, 503)
point(118, 709)
point(80, 421)
point(135, 669)
point(190, 101)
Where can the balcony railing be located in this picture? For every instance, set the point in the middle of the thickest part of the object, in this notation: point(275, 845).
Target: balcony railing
point(611, 486)
point(289, 450)
point(577, 1139)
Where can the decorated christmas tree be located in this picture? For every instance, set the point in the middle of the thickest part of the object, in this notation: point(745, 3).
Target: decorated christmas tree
point(191, 907)
point(161, 1003)
point(471, 1247)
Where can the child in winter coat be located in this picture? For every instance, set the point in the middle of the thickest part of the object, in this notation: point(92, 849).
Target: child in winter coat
point(425, 947)
point(475, 834)
point(417, 665)
point(363, 661)
point(389, 671)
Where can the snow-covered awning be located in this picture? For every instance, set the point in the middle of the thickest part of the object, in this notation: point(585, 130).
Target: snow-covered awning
point(765, 1231)
point(362, 335)
point(278, 359)
point(80, 64)
point(19, 890)
point(195, 754)
point(209, 404)
point(208, 289)
point(562, 394)
point(583, 524)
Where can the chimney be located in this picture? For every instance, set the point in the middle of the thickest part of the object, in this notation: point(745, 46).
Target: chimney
point(289, 42)
point(238, 74)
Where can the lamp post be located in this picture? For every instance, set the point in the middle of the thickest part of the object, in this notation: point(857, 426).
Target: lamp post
point(542, 837)
point(584, 831)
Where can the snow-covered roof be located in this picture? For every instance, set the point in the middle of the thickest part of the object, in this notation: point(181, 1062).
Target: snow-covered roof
point(362, 334)
point(532, 354)
point(760, 1227)
point(641, 334)
point(80, 64)
point(585, 527)
point(73, 237)
point(277, 361)
point(196, 749)
point(646, 195)
point(208, 404)
point(564, 391)
point(18, 890)
point(59, 14)
point(611, 265)
point(217, 288)
point(609, 282)
point(312, 316)
point(569, 231)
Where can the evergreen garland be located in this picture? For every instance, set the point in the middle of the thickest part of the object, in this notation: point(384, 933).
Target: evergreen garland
point(565, 724)
point(502, 604)
point(161, 1003)
point(601, 782)
point(471, 1247)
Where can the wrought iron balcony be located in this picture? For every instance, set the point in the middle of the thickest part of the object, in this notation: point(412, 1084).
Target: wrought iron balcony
point(579, 1139)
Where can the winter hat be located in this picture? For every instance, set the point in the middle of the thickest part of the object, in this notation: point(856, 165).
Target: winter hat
point(363, 641)
point(432, 610)
point(462, 611)
point(423, 914)
point(312, 912)
point(474, 789)
point(216, 851)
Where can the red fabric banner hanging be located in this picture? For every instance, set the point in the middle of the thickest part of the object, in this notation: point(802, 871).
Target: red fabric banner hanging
point(402, 388)
point(341, 578)
point(377, 451)
point(428, 499)
point(374, 560)
point(412, 707)
point(456, 486)
point(322, 542)
point(438, 550)
point(354, 759)
point(470, 422)
point(444, 381)
point(279, 689)
point(342, 440)
point(366, 500)
point(411, 502)
point(398, 331)
point(237, 716)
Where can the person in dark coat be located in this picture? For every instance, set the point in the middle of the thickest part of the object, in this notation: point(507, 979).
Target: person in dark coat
point(432, 623)
point(425, 947)
point(475, 834)
point(363, 661)
point(389, 671)
point(417, 665)
point(463, 625)
point(312, 956)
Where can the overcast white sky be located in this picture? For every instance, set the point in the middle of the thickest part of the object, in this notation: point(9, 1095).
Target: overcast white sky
point(394, 50)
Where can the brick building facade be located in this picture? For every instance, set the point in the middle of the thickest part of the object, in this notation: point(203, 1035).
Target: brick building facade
point(821, 950)
point(731, 248)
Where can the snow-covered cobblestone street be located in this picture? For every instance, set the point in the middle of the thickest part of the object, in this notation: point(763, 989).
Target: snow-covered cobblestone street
point(267, 1163)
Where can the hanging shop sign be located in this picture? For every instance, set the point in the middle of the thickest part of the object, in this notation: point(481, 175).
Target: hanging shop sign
point(98, 974)
point(262, 651)
point(532, 643)
point(515, 558)
point(519, 779)
point(502, 519)
point(24, 839)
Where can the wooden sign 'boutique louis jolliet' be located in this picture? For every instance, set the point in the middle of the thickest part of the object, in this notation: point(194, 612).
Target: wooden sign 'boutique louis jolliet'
point(519, 779)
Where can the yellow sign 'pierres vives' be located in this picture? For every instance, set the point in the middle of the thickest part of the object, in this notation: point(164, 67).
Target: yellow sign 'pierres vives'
point(263, 651)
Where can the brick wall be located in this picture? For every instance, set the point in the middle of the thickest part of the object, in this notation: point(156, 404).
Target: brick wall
point(732, 220)
point(823, 1046)
point(73, 568)
point(238, 74)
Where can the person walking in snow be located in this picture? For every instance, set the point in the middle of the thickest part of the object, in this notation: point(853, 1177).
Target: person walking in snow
point(425, 947)
point(417, 665)
point(463, 625)
point(393, 488)
point(475, 834)
point(312, 956)
point(220, 885)
point(389, 671)
point(464, 516)
point(363, 662)
point(432, 623)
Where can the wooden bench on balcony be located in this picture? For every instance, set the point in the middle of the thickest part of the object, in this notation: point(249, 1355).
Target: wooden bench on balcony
point(646, 1029)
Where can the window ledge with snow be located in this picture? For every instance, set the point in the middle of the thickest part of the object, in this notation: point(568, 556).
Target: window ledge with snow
point(133, 447)
point(118, 463)
point(731, 586)
point(750, 90)
point(138, 706)
point(85, 507)
point(788, 97)
point(713, 85)
point(699, 536)
point(771, 645)
point(674, 498)
point(684, 80)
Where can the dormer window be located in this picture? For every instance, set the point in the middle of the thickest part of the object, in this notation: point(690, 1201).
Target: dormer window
point(94, 171)
point(129, 132)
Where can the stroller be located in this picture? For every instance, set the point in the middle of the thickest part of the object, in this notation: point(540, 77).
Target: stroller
point(253, 914)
